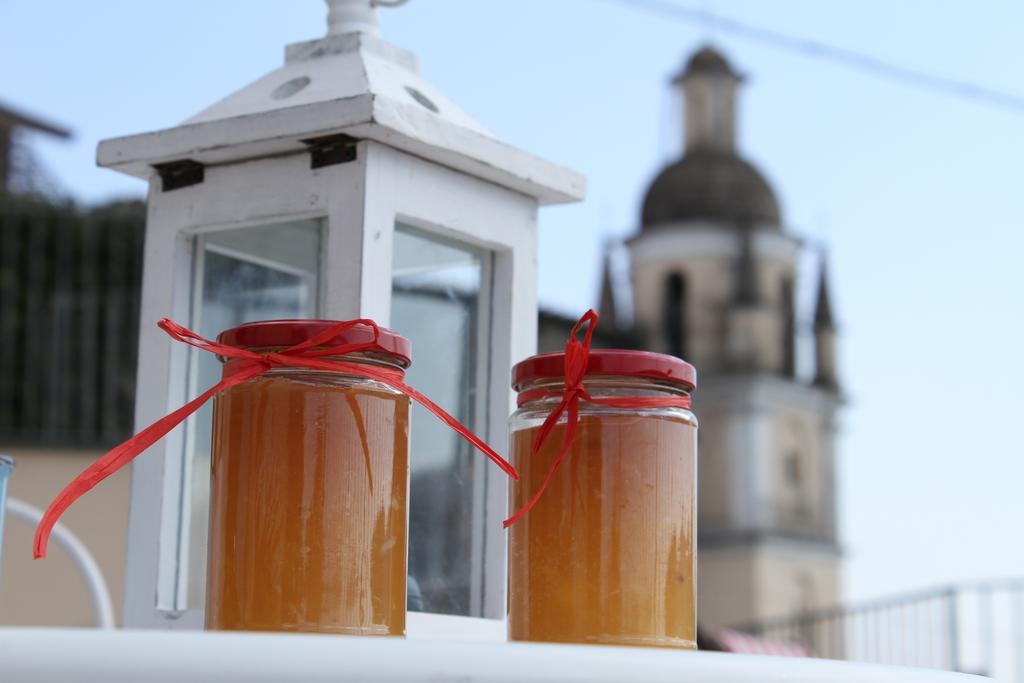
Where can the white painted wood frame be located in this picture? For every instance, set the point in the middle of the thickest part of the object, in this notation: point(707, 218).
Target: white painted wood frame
point(360, 201)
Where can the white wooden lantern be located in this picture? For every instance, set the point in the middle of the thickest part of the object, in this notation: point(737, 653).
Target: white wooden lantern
point(340, 185)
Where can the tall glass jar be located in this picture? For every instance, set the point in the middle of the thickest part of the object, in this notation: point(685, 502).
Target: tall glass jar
point(309, 489)
point(606, 555)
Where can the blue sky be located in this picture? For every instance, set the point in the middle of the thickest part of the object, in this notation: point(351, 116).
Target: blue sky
point(918, 195)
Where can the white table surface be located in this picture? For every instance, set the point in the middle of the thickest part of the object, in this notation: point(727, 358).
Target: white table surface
point(66, 655)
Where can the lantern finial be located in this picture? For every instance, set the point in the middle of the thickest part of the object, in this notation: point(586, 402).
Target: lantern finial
point(356, 16)
point(352, 16)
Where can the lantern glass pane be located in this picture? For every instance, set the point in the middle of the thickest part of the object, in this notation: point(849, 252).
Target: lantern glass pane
point(437, 302)
point(241, 275)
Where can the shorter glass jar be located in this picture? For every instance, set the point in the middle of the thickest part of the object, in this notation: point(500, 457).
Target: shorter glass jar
point(607, 553)
point(309, 489)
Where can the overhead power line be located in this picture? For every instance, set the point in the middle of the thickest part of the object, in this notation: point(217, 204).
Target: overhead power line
point(830, 53)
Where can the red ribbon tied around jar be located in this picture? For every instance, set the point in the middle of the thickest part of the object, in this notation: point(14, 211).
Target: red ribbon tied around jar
point(244, 365)
point(577, 357)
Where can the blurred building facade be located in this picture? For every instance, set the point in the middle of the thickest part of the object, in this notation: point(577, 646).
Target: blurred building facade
point(69, 298)
point(713, 277)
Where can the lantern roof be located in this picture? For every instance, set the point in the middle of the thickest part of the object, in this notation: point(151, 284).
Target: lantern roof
point(349, 83)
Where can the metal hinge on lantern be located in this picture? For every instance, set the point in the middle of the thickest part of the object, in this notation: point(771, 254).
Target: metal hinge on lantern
point(330, 150)
point(175, 175)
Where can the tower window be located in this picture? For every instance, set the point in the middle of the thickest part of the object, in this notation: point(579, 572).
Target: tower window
point(788, 329)
point(794, 475)
point(674, 314)
point(806, 599)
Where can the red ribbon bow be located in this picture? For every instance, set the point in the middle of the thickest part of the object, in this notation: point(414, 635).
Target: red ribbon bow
point(244, 365)
point(577, 357)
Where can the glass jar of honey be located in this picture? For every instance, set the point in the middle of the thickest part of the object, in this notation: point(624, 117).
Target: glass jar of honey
point(606, 553)
point(309, 488)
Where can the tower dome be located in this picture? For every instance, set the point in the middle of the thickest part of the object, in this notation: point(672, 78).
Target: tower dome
point(711, 181)
point(711, 186)
point(709, 60)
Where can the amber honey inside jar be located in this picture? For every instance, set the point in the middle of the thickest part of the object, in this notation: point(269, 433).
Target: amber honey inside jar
point(606, 556)
point(309, 490)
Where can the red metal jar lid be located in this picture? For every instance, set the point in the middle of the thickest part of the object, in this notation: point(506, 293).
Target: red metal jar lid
point(608, 362)
point(270, 333)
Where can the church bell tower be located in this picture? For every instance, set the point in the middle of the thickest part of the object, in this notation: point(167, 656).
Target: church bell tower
point(714, 278)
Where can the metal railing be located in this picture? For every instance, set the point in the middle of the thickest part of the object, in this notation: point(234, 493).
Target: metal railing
point(972, 627)
point(102, 603)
